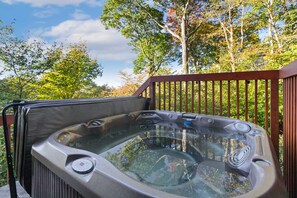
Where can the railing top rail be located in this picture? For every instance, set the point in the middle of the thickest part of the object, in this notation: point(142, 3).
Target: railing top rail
point(289, 70)
point(142, 87)
point(249, 75)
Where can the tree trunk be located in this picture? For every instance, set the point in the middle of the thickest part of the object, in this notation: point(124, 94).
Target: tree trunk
point(241, 27)
point(184, 45)
point(231, 40)
point(271, 26)
point(270, 35)
point(185, 57)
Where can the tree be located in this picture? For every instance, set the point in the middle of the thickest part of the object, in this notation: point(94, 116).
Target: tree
point(94, 91)
point(23, 62)
point(236, 30)
point(139, 19)
point(73, 69)
point(130, 83)
point(278, 18)
point(154, 52)
point(153, 47)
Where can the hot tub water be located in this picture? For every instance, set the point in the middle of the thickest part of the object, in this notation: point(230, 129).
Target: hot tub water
point(180, 160)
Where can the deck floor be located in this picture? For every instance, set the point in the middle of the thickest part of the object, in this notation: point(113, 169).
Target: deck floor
point(4, 191)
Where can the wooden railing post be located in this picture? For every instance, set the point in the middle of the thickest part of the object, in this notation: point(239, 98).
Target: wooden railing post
point(274, 117)
point(289, 76)
point(152, 87)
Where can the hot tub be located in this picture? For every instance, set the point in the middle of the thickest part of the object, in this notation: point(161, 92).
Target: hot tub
point(157, 154)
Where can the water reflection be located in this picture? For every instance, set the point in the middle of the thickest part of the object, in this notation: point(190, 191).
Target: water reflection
point(180, 161)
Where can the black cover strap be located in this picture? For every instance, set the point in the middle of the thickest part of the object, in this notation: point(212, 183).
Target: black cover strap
point(11, 178)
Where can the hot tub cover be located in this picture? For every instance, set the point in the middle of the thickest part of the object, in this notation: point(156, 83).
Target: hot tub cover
point(36, 120)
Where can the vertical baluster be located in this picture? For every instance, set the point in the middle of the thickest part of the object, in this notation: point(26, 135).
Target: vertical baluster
point(274, 115)
point(246, 100)
point(291, 137)
point(205, 98)
point(292, 128)
point(169, 96)
point(294, 136)
point(159, 98)
point(174, 95)
point(256, 102)
point(213, 97)
point(289, 140)
point(193, 96)
point(266, 105)
point(164, 95)
point(186, 96)
point(229, 103)
point(145, 92)
point(180, 96)
point(285, 121)
point(237, 99)
point(152, 93)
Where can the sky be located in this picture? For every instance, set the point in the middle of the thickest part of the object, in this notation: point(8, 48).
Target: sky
point(72, 21)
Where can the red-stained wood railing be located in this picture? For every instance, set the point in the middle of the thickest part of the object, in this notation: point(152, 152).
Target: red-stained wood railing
point(252, 96)
point(10, 121)
point(241, 95)
point(289, 76)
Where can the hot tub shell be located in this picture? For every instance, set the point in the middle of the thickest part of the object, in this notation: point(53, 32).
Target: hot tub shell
point(53, 161)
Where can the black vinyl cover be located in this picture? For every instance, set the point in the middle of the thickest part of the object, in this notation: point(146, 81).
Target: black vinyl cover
point(36, 120)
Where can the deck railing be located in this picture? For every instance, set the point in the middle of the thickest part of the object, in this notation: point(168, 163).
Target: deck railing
point(289, 76)
point(256, 96)
point(10, 121)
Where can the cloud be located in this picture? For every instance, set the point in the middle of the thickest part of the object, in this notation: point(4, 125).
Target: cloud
point(102, 44)
point(109, 78)
point(80, 15)
point(6, 1)
point(41, 3)
point(48, 12)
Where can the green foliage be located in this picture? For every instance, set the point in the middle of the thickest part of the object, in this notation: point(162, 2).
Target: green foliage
point(72, 70)
point(159, 31)
point(220, 35)
point(23, 63)
point(153, 53)
point(132, 19)
point(3, 165)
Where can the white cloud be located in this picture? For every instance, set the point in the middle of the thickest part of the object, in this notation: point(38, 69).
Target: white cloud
point(110, 79)
point(40, 3)
point(48, 12)
point(80, 15)
point(102, 44)
point(7, 1)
